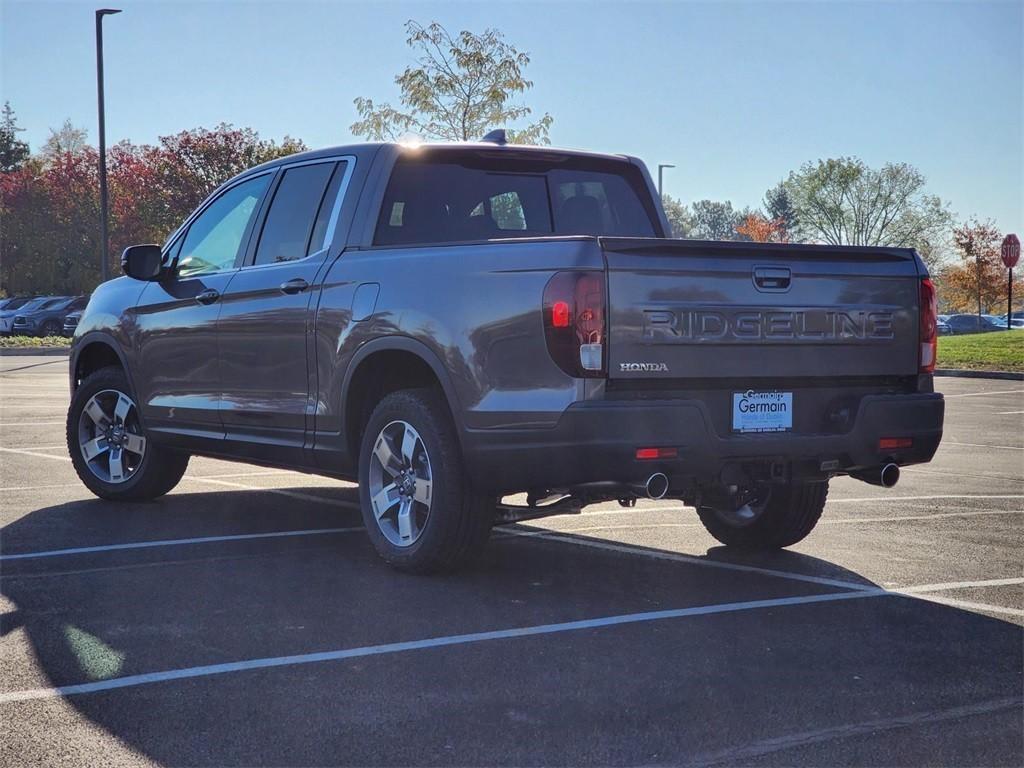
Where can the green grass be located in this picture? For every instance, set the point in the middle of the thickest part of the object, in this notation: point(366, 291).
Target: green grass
point(996, 351)
point(33, 342)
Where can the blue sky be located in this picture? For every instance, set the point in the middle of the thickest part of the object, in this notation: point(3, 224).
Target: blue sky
point(734, 94)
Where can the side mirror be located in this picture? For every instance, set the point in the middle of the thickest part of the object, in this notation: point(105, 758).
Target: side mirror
point(143, 262)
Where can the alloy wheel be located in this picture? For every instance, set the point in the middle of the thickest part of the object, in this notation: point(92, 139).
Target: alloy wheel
point(400, 483)
point(110, 436)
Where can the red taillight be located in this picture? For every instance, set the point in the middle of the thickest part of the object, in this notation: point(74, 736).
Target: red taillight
point(643, 454)
point(574, 322)
point(929, 327)
point(560, 314)
point(892, 443)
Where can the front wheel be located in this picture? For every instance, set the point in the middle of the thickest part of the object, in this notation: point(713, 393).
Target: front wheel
point(109, 448)
point(419, 508)
point(780, 517)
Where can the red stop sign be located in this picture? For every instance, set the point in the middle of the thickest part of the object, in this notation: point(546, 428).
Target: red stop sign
point(1011, 251)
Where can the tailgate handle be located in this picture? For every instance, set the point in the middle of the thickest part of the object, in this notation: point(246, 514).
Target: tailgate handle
point(772, 278)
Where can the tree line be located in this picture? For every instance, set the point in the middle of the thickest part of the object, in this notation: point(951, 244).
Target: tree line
point(458, 87)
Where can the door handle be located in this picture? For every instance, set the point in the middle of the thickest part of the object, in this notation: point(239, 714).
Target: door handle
point(296, 285)
point(208, 296)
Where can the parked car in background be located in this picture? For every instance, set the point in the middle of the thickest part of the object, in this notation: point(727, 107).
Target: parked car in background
point(16, 306)
point(959, 324)
point(942, 327)
point(71, 322)
point(46, 318)
point(1016, 320)
point(13, 302)
point(997, 321)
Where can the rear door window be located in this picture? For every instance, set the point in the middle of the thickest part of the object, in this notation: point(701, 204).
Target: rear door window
point(288, 228)
point(478, 197)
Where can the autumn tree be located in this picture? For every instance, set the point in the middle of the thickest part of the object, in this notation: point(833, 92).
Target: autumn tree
point(13, 151)
point(844, 202)
point(760, 229)
point(458, 89)
point(979, 279)
point(50, 205)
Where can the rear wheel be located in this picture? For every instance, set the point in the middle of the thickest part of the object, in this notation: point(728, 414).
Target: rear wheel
point(109, 448)
point(420, 510)
point(779, 517)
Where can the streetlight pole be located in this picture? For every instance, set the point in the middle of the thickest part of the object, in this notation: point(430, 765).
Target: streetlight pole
point(662, 167)
point(104, 234)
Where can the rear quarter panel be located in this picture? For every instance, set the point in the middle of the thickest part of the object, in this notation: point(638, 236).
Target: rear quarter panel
point(475, 307)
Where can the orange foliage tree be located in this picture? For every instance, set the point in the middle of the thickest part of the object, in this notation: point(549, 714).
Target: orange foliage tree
point(978, 281)
point(763, 230)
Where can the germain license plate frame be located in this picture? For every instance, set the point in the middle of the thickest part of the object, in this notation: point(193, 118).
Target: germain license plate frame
point(767, 411)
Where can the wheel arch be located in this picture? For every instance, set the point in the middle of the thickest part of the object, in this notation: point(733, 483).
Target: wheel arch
point(94, 351)
point(386, 365)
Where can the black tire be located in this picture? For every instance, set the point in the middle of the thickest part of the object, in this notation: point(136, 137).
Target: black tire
point(790, 513)
point(459, 518)
point(159, 470)
point(50, 328)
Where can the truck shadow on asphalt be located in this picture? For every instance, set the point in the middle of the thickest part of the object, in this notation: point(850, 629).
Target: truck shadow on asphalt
point(725, 688)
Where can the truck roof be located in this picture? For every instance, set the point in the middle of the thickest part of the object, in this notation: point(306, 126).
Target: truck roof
point(372, 147)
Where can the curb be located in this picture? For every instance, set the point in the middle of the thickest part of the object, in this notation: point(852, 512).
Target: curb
point(969, 374)
point(34, 351)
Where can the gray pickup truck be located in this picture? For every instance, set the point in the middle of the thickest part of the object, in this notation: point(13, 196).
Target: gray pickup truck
point(451, 325)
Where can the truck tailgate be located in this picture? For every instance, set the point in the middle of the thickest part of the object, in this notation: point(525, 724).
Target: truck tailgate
point(693, 309)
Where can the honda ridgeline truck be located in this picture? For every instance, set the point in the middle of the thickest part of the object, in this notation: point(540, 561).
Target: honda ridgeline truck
point(449, 325)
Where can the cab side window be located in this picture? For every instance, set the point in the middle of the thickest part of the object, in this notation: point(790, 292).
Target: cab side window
point(293, 212)
point(215, 238)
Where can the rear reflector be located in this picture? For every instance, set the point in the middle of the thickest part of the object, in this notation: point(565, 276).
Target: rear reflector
point(656, 453)
point(560, 314)
point(890, 443)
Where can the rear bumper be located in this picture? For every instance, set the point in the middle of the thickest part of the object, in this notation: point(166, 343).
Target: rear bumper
point(596, 441)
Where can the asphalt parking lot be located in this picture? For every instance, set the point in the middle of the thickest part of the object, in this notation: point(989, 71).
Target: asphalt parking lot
point(244, 619)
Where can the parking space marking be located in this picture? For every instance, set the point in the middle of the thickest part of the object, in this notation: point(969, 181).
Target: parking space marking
point(976, 475)
point(280, 491)
point(176, 542)
point(207, 670)
point(984, 445)
point(823, 521)
point(980, 394)
point(1009, 413)
point(34, 453)
point(29, 423)
point(967, 605)
point(745, 754)
point(681, 558)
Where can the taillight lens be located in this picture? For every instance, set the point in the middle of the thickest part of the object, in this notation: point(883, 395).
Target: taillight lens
point(574, 322)
point(929, 327)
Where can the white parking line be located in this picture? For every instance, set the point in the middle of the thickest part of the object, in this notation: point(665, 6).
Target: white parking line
point(416, 645)
point(746, 754)
point(824, 521)
point(980, 394)
point(175, 542)
point(681, 558)
point(1009, 413)
point(984, 445)
point(207, 670)
point(29, 423)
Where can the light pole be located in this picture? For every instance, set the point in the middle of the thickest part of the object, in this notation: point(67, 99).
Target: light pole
point(662, 167)
point(104, 236)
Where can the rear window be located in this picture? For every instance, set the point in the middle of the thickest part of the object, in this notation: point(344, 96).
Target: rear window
point(483, 197)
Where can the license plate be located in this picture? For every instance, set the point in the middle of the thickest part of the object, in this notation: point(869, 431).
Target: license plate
point(762, 411)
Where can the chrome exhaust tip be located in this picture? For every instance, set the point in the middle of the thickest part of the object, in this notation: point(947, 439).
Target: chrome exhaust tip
point(656, 486)
point(889, 476)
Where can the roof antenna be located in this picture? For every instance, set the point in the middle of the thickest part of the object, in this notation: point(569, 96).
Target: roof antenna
point(497, 136)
